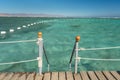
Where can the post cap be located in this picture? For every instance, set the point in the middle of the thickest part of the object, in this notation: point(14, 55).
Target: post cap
point(39, 34)
point(77, 38)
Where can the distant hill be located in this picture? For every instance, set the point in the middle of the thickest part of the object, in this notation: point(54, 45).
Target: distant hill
point(27, 15)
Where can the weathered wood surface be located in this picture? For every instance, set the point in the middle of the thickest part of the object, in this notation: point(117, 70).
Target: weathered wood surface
point(23, 76)
point(62, 76)
point(92, 75)
point(108, 75)
point(9, 76)
point(46, 76)
point(83, 75)
point(38, 76)
point(69, 76)
point(54, 76)
point(77, 77)
point(100, 75)
point(115, 74)
point(16, 76)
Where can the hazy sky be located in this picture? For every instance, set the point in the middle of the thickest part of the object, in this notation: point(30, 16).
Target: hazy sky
point(63, 7)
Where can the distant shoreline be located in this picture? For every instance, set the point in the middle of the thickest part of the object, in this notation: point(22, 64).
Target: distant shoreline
point(27, 15)
point(60, 17)
point(48, 16)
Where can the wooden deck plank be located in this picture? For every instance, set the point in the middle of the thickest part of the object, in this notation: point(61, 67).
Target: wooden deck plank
point(62, 76)
point(31, 76)
point(8, 76)
point(77, 77)
point(46, 76)
point(54, 76)
point(15, 76)
point(84, 75)
point(23, 77)
point(69, 76)
point(108, 75)
point(2, 75)
point(38, 76)
point(92, 75)
point(100, 75)
point(115, 74)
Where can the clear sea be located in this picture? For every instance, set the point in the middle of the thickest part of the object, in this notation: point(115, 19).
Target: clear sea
point(59, 38)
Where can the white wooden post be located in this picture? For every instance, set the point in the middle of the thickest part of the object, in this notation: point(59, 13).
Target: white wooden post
point(76, 53)
point(40, 44)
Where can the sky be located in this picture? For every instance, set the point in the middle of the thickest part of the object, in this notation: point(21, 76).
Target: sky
point(82, 8)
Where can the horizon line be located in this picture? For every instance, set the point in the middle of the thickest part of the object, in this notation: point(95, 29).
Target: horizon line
point(49, 15)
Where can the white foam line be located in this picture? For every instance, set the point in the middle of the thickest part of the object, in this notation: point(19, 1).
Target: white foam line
point(3, 32)
point(24, 26)
point(40, 22)
point(11, 30)
point(18, 28)
point(28, 25)
point(31, 24)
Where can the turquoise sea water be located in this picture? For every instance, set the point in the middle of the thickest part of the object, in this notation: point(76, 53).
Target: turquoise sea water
point(59, 37)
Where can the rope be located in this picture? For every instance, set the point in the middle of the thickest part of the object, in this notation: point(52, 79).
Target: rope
point(19, 62)
point(84, 49)
point(17, 41)
point(95, 59)
point(73, 51)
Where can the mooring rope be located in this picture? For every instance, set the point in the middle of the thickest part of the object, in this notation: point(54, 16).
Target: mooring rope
point(7, 42)
point(105, 48)
point(19, 62)
point(96, 59)
point(86, 49)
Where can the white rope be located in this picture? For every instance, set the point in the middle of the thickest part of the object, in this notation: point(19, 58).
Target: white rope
point(95, 59)
point(18, 62)
point(84, 49)
point(7, 42)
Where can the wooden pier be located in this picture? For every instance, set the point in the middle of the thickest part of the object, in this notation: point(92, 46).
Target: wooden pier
point(89, 75)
